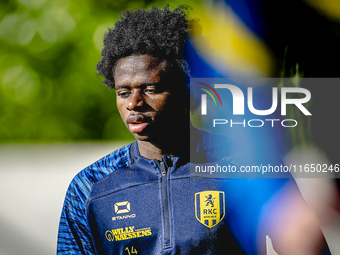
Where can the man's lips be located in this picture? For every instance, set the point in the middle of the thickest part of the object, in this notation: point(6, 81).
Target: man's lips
point(137, 127)
point(137, 122)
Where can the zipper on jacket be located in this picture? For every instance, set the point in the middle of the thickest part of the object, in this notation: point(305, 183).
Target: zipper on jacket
point(165, 203)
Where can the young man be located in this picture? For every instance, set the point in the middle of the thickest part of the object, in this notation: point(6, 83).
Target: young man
point(140, 199)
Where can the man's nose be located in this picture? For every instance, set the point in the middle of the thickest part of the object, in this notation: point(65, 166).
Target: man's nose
point(135, 101)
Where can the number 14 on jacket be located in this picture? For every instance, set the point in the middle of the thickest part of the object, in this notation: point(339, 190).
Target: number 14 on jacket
point(133, 251)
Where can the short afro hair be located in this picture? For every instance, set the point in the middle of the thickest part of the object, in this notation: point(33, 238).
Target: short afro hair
point(161, 33)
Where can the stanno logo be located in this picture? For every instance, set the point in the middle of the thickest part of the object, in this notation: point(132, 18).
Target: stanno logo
point(122, 207)
point(209, 207)
point(123, 217)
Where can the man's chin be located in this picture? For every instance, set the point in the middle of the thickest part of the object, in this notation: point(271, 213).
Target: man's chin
point(141, 136)
point(153, 138)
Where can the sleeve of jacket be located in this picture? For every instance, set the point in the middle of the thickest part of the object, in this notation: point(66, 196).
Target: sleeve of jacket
point(74, 235)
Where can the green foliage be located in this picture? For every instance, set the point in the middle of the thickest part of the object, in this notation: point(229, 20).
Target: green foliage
point(49, 90)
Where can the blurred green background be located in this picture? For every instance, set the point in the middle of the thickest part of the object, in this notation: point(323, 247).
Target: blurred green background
point(49, 89)
point(50, 92)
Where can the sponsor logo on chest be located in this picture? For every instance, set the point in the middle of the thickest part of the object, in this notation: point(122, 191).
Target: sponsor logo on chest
point(126, 233)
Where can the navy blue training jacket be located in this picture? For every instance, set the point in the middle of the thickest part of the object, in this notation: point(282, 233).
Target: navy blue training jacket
point(127, 204)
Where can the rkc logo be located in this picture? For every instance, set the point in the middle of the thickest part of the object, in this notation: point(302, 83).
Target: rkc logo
point(209, 207)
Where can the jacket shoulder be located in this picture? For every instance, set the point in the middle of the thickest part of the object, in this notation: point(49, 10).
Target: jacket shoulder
point(74, 236)
point(83, 182)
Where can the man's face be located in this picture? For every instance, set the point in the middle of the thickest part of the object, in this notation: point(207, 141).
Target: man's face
point(149, 106)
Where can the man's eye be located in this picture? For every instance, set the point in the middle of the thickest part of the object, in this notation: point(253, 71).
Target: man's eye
point(150, 90)
point(123, 94)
